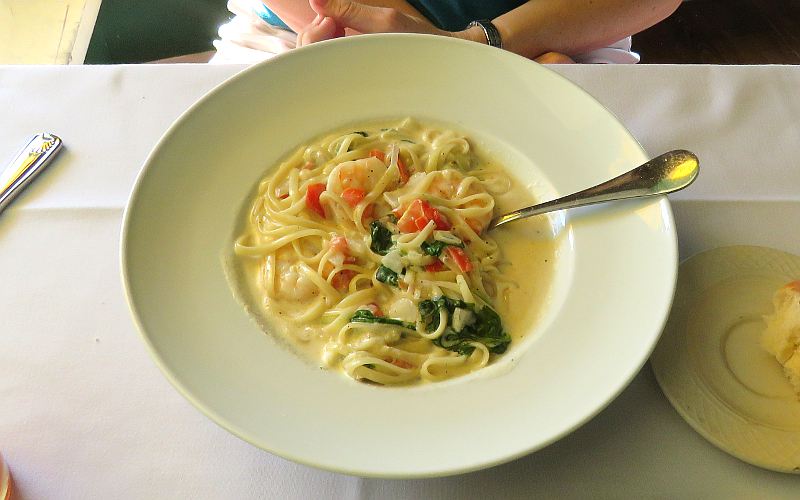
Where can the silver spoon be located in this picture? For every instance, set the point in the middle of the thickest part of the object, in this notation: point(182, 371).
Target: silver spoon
point(663, 174)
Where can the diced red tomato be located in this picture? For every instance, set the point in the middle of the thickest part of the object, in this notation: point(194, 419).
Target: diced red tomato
point(283, 196)
point(312, 198)
point(353, 196)
point(436, 266)
point(339, 244)
point(460, 257)
point(368, 211)
point(475, 225)
point(374, 309)
point(414, 217)
point(401, 166)
point(342, 279)
point(399, 362)
point(441, 221)
point(417, 216)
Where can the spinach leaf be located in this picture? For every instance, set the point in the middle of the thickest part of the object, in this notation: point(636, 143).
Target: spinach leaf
point(486, 329)
point(386, 275)
point(429, 310)
point(381, 238)
point(435, 249)
point(365, 316)
point(429, 313)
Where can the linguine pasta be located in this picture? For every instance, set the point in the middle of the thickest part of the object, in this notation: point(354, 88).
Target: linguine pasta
point(371, 245)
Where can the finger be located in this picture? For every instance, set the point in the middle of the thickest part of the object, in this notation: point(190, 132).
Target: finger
point(340, 31)
point(363, 18)
point(325, 29)
point(302, 34)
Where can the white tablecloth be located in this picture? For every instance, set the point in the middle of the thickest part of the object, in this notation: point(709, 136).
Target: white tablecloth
point(84, 412)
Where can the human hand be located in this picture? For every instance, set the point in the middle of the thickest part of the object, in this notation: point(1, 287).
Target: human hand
point(334, 16)
point(554, 58)
point(321, 28)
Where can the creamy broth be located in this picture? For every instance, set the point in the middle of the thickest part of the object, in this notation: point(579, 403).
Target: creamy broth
point(509, 270)
point(529, 249)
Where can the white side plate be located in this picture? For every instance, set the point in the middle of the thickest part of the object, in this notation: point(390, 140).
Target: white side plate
point(709, 362)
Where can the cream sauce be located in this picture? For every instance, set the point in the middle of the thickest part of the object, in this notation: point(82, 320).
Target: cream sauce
point(528, 250)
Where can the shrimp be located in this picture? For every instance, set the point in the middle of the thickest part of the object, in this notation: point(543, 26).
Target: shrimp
point(362, 175)
point(293, 284)
point(338, 256)
point(474, 202)
point(450, 183)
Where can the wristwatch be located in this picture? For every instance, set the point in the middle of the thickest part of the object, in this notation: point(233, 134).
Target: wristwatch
point(490, 30)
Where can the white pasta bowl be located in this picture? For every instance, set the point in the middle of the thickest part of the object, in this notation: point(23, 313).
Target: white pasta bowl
point(614, 280)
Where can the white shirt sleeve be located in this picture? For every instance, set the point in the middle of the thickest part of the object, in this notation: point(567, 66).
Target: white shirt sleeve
point(616, 53)
point(248, 39)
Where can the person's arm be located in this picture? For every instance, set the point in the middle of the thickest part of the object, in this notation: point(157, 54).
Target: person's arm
point(575, 26)
point(536, 27)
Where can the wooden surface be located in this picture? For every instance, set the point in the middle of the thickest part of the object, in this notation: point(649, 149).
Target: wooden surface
point(725, 32)
point(39, 31)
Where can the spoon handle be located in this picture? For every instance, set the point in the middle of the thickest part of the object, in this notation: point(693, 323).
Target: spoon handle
point(669, 172)
point(31, 160)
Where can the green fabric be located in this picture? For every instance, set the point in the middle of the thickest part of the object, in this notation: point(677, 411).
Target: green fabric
point(134, 31)
point(454, 15)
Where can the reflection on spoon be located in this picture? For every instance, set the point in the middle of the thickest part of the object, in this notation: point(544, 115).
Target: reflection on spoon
point(663, 174)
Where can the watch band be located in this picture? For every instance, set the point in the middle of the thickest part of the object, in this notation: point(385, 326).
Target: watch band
point(490, 30)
